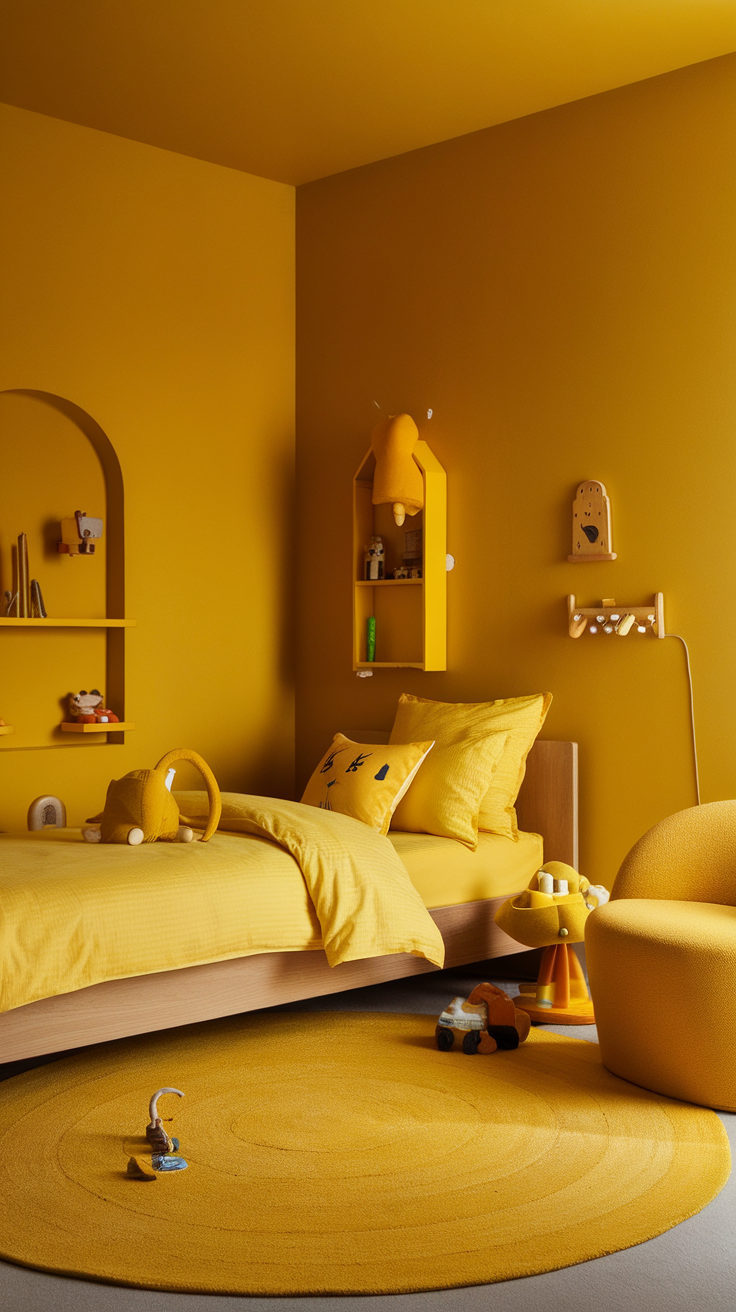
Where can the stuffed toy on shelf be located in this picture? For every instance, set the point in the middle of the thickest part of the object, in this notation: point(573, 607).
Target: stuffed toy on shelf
point(397, 480)
point(89, 708)
point(139, 807)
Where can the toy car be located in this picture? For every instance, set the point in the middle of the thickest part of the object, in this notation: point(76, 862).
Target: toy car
point(483, 1022)
point(461, 1021)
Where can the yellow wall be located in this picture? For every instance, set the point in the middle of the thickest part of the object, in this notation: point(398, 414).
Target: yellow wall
point(561, 290)
point(157, 293)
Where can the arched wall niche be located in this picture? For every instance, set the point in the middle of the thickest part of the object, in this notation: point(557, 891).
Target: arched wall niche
point(115, 526)
point(114, 532)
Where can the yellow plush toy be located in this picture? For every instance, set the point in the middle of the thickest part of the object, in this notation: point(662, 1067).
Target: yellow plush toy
point(139, 807)
point(398, 479)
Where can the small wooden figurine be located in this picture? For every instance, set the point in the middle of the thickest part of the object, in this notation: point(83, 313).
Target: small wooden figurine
point(78, 534)
point(591, 524)
point(38, 607)
point(155, 1132)
point(374, 559)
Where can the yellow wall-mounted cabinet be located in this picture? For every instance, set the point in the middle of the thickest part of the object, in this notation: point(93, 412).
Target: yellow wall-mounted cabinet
point(410, 614)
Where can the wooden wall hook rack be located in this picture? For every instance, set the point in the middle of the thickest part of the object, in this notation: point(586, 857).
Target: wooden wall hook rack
point(611, 617)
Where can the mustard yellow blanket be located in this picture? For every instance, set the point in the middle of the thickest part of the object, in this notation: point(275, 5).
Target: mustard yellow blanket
point(74, 914)
point(365, 901)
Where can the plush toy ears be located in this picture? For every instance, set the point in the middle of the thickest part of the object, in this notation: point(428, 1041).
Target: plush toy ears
point(213, 792)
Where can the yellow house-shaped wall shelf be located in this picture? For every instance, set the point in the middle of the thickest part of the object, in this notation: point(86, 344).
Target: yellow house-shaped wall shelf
point(410, 614)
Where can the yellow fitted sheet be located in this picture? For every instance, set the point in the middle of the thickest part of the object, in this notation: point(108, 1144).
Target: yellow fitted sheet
point(446, 872)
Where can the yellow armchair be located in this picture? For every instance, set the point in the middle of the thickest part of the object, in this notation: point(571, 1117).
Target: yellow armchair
point(662, 960)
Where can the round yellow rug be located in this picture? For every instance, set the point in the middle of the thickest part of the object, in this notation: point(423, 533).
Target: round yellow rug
point(340, 1154)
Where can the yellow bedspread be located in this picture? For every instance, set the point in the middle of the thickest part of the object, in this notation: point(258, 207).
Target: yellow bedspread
point(74, 914)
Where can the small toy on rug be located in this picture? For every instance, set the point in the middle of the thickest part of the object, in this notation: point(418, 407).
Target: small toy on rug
point(551, 914)
point(155, 1132)
point(140, 1168)
point(164, 1149)
point(484, 1021)
point(139, 807)
point(89, 708)
point(168, 1162)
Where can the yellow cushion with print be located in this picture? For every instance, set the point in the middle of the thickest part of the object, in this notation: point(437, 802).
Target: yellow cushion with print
point(364, 780)
point(520, 718)
point(445, 798)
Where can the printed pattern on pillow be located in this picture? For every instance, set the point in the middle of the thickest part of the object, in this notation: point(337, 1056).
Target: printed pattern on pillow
point(364, 780)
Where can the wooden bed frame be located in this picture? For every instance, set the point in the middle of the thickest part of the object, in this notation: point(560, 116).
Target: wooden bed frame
point(547, 805)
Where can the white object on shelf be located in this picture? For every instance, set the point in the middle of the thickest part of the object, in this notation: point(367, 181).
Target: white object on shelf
point(591, 617)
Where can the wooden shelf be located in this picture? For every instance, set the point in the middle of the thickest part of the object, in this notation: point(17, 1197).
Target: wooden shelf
point(411, 630)
point(90, 599)
point(648, 618)
point(386, 583)
point(116, 727)
point(7, 728)
point(51, 623)
point(389, 665)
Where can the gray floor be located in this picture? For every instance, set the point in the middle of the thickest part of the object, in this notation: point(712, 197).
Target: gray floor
point(691, 1268)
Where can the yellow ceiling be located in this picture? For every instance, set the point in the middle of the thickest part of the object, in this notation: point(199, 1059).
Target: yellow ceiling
point(298, 89)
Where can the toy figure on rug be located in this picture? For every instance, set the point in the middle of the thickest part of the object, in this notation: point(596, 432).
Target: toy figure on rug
point(551, 913)
point(484, 1022)
point(155, 1132)
point(165, 1150)
point(139, 807)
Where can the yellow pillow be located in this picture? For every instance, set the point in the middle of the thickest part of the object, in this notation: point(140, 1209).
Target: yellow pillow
point(445, 799)
point(520, 718)
point(365, 780)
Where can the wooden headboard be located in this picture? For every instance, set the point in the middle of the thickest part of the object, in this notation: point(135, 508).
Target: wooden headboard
point(548, 800)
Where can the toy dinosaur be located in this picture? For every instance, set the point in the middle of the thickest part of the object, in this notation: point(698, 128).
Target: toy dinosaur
point(139, 807)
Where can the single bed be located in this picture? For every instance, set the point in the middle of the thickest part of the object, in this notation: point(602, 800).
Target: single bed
point(464, 914)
